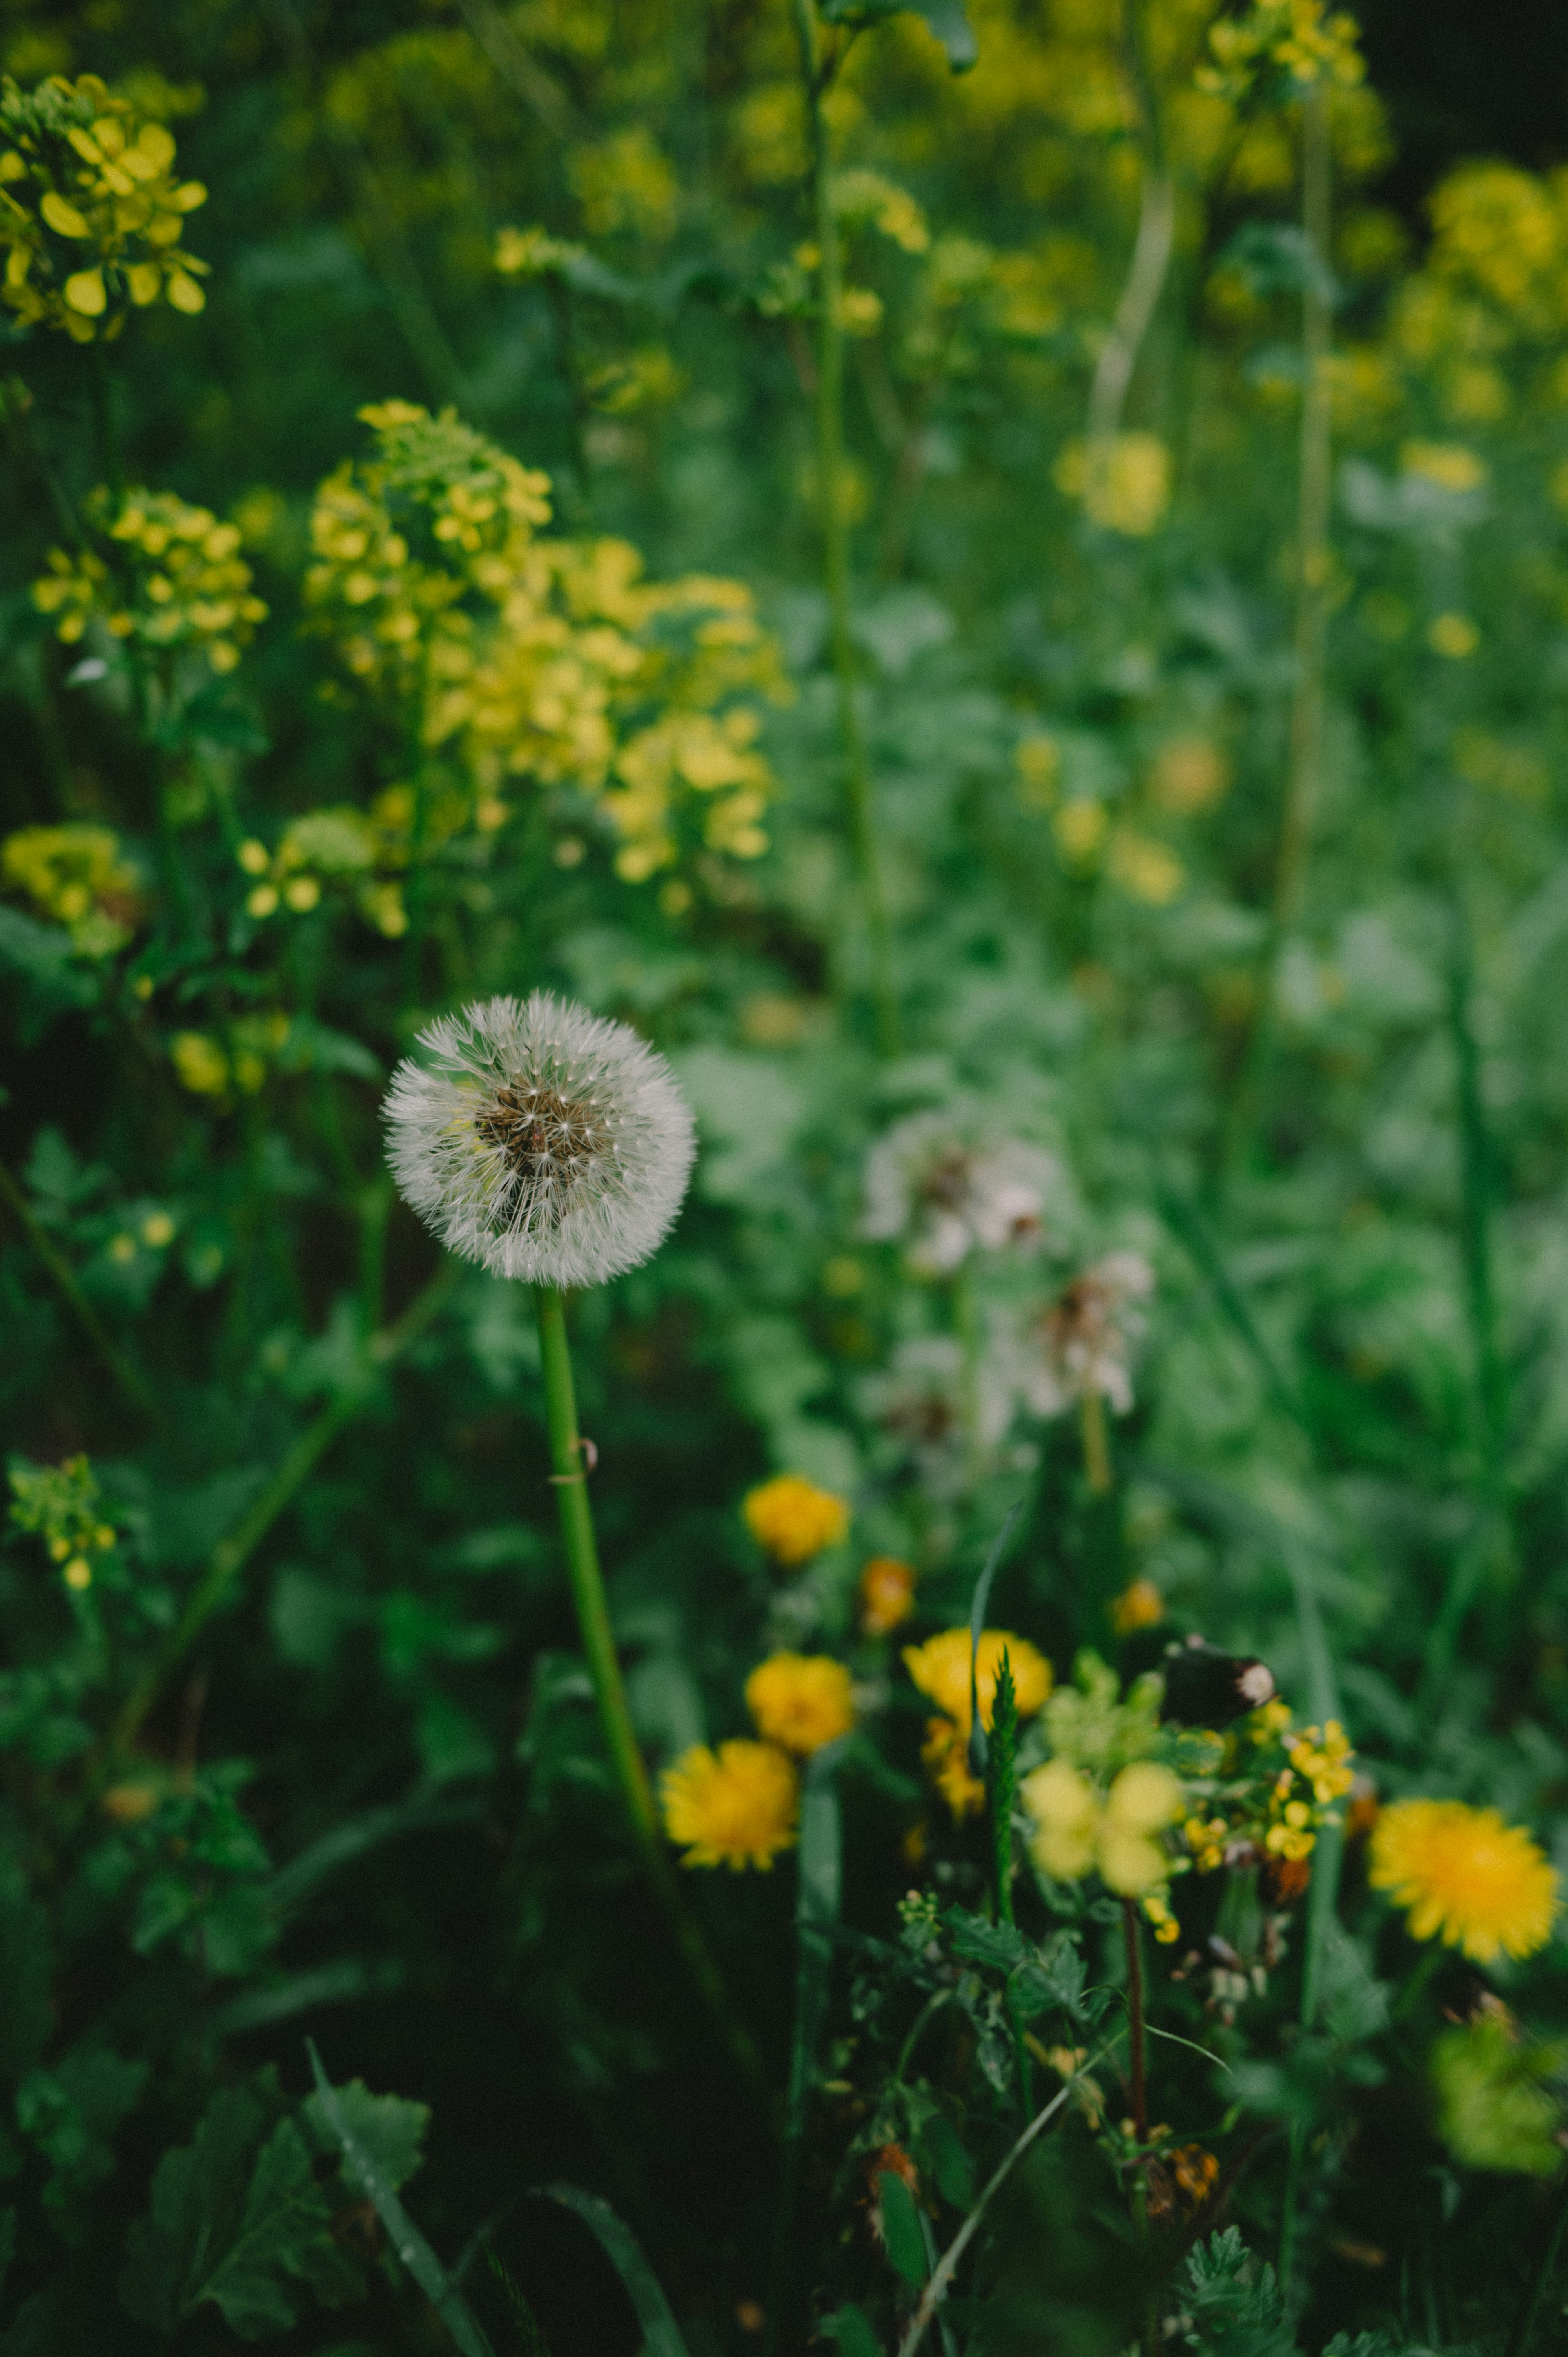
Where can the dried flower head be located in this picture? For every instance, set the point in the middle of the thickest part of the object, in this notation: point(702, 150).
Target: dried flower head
point(793, 1520)
point(945, 1194)
point(1465, 1876)
point(1085, 1337)
point(734, 1807)
point(547, 1144)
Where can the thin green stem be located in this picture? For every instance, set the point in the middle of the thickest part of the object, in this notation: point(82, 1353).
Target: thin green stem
point(1139, 2095)
point(1095, 1444)
point(1292, 848)
point(105, 424)
point(135, 1386)
point(571, 1459)
point(232, 1554)
point(816, 68)
point(1523, 2331)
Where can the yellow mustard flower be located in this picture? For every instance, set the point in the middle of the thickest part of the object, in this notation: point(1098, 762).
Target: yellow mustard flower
point(74, 873)
point(940, 1668)
point(164, 574)
point(1463, 1875)
point(800, 1701)
point(792, 1520)
point(736, 1806)
point(90, 211)
point(887, 1595)
point(1077, 1829)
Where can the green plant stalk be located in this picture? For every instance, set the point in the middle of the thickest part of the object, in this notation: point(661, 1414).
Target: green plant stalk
point(1001, 1794)
point(1147, 270)
point(1138, 2093)
point(1523, 2331)
point(835, 539)
point(570, 1478)
point(135, 1386)
point(1095, 1444)
point(232, 1554)
point(1293, 844)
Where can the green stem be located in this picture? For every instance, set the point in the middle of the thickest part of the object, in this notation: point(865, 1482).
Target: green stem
point(1095, 1444)
point(135, 1386)
point(105, 424)
point(1315, 493)
point(1523, 2331)
point(232, 1554)
point(816, 72)
point(1139, 2093)
point(571, 1460)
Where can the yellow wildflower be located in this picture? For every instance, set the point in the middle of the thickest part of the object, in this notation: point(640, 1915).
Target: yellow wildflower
point(1462, 1874)
point(1141, 1606)
point(887, 1595)
point(75, 874)
point(1454, 636)
point(941, 1669)
point(734, 1807)
point(800, 1701)
point(793, 1520)
point(1125, 486)
point(1076, 1829)
point(1323, 1756)
point(945, 1752)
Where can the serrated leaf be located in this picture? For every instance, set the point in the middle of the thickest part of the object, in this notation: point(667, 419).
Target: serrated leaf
point(390, 2129)
point(977, 1941)
point(198, 2201)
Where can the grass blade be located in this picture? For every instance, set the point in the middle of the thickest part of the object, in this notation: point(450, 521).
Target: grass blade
point(406, 2239)
point(661, 2333)
point(977, 1610)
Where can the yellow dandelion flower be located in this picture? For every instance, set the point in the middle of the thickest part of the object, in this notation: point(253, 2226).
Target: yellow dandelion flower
point(945, 1752)
point(941, 1669)
point(800, 1701)
point(736, 1807)
point(793, 1520)
point(1462, 1874)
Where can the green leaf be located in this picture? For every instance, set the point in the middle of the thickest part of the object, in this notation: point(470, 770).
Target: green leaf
point(1234, 2301)
point(70, 2111)
point(979, 1606)
point(901, 2227)
point(388, 2129)
point(941, 2147)
point(852, 2329)
point(25, 1976)
point(661, 2333)
point(362, 2166)
point(199, 2203)
point(944, 19)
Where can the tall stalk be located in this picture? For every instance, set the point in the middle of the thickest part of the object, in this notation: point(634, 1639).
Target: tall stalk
point(1315, 476)
point(818, 62)
point(1147, 270)
point(571, 1458)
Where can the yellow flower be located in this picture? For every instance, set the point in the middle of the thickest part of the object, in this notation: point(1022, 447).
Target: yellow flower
point(800, 1701)
point(1141, 1606)
point(1454, 636)
point(794, 1520)
point(945, 1752)
point(1125, 486)
point(1324, 1759)
point(734, 1807)
point(1461, 1873)
point(887, 1595)
point(941, 1669)
point(1075, 1829)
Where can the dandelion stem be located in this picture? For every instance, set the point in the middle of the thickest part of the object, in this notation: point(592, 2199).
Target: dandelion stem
point(570, 1477)
point(816, 73)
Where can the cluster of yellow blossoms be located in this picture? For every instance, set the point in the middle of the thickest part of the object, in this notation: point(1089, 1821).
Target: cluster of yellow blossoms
point(60, 1503)
point(172, 577)
point(90, 212)
point(1294, 39)
point(514, 655)
point(1258, 1807)
point(739, 1806)
point(362, 851)
point(76, 876)
point(238, 1064)
point(1077, 1828)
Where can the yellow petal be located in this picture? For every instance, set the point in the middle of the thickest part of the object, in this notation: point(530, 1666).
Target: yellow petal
point(62, 217)
point(85, 293)
point(144, 279)
point(1130, 1863)
point(1066, 1811)
point(185, 293)
point(1144, 1798)
point(157, 144)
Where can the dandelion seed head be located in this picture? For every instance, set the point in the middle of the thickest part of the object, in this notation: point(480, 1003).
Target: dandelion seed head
point(545, 1142)
point(945, 1193)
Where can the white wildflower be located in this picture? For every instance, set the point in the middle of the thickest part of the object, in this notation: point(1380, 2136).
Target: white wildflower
point(947, 1194)
point(936, 1409)
point(547, 1142)
point(1083, 1344)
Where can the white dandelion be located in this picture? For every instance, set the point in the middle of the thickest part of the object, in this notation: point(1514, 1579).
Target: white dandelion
point(948, 1193)
point(1083, 1342)
point(545, 1142)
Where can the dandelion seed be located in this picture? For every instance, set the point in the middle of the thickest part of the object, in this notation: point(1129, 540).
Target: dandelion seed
point(548, 1144)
